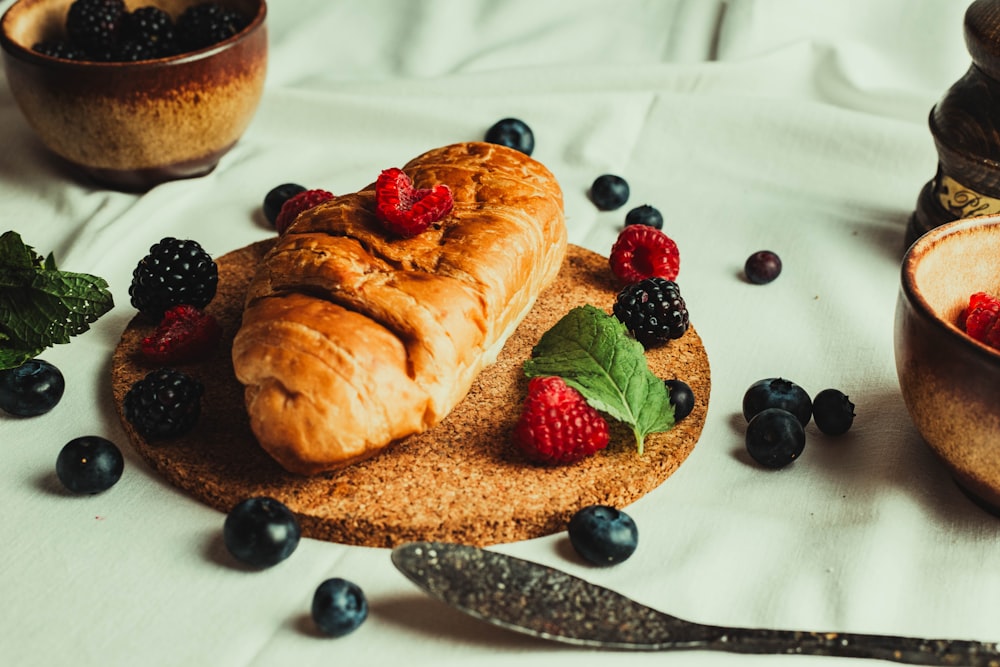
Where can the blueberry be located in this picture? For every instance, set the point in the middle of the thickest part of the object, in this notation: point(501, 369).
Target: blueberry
point(609, 192)
point(644, 215)
point(31, 389)
point(89, 464)
point(681, 397)
point(261, 532)
point(777, 393)
point(603, 535)
point(775, 438)
point(513, 133)
point(338, 607)
point(833, 412)
point(277, 197)
point(762, 267)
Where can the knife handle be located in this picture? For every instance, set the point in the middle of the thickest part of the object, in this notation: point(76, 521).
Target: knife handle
point(883, 647)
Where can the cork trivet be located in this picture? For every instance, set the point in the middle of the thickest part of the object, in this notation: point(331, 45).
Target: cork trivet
point(461, 481)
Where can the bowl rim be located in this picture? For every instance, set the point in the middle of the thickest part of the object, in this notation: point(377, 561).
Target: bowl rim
point(15, 50)
point(911, 258)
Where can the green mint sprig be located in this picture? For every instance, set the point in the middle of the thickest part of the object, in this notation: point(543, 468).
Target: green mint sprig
point(40, 305)
point(594, 354)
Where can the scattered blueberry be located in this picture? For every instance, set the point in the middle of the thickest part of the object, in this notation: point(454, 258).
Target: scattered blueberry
point(31, 389)
point(609, 192)
point(833, 412)
point(775, 438)
point(261, 532)
point(277, 197)
point(777, 393)
point(644, 215)
point(762, 267)
point(513, 133)
point(603, 535)
point(338, 607)
point(681, 397)
point(89, 464)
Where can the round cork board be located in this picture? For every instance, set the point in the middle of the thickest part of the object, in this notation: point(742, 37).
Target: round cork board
point(462, 481)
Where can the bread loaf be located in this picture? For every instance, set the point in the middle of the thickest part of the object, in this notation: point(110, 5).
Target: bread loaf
point(353, 338)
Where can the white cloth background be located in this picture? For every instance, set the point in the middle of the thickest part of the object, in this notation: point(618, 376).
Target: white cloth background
point(798, 126)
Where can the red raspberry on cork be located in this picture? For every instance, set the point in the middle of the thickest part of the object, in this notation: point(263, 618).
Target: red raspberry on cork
point(557, 425)
point(644, 252)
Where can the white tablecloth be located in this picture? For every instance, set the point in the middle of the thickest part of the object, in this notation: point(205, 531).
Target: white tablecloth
point(782, 124)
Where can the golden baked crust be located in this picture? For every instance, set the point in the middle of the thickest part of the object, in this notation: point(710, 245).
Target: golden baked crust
point(353, 338)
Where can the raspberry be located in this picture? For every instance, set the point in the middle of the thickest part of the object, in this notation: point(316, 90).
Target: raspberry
point(94, 25)
point(557, 425)
point(644, 252)
point(298, 204)
point(982, 319)
point(405, 210)
point(653, 310)
point(165, 403)
point(174, 272)
point(185, 334)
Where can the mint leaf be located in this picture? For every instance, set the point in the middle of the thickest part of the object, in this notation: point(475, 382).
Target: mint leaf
point(41, 306)
point(594, 354)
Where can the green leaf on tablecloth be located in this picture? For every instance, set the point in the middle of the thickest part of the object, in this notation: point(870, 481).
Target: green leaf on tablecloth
point(40, 305)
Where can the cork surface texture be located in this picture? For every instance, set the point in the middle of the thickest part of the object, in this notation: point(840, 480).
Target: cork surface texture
point(462, 481)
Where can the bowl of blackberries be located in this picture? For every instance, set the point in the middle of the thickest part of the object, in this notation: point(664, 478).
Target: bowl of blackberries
point(134, 93)
point(947, 348)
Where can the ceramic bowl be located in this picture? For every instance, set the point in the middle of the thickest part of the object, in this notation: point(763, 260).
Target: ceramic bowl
point(950, 382)
point(133, 125)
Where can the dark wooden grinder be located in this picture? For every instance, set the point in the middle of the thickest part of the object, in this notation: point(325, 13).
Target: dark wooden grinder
point(965, 125)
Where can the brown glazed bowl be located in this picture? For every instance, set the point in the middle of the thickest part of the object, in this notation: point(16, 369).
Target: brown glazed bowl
point(950, 382)
point(133, 125)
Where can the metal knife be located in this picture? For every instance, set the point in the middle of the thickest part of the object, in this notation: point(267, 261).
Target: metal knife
point(544, 602)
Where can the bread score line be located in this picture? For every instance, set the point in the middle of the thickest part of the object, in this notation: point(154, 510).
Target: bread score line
point(353, 338)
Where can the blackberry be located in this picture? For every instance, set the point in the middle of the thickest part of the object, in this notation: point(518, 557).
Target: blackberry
point(208, 23)
point(165, 403)
point(609, 192)
point(95, 26)
point(174, 272)
point(59, 49)
point(653, 310)
point(154, 29)
point(644, 215)
point(513, 133)
point(131, 51)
